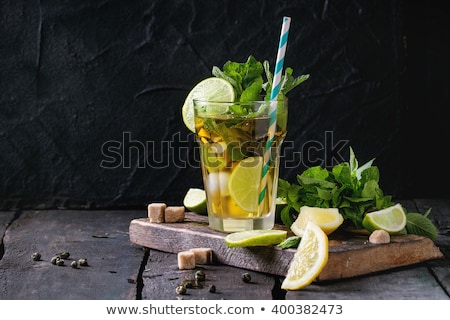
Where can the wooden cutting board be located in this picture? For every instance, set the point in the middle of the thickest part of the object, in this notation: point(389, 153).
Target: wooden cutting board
point(350, 255)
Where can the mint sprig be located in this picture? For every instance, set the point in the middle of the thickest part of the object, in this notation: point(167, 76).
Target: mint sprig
point(287, 82)
point(247, 79)
point(351, 188)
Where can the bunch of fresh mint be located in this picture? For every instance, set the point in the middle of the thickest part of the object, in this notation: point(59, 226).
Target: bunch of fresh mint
point(248, 80)
point(353, 189)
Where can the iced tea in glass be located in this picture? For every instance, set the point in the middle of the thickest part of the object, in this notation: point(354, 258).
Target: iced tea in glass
point(232, 137)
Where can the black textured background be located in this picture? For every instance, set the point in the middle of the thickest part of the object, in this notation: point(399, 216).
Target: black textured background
point(83, 82)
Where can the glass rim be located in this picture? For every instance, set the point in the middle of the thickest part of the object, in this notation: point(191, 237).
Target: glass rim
point(285, 99)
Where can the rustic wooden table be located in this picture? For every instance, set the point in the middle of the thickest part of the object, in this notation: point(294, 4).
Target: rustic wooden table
point(121, 270)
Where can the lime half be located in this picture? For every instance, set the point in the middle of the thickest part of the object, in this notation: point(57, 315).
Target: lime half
point(254, 238)
point(209, 89)
point(392, 219)
point(195, 201)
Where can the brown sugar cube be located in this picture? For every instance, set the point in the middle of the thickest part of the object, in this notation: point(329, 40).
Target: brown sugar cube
point(379, 236)
point(186, 260)
point(156, 212)
point(174, 214)
point(202, 255)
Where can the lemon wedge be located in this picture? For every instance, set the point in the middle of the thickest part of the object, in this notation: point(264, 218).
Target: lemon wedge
point(309, 259)
point(328, 219)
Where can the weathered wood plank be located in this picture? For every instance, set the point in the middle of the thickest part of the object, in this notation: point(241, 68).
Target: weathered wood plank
point(358, 257)
point(409, 205)
point(350, 257)
point(162, 276)
point(440, 214)
point(100, 236)
point(413, 283)
point(5, 219)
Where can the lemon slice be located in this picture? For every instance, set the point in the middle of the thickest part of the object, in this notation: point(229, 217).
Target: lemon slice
point(244, 181)
point(253, 238)
point(309, 259)
point(209, 89)
point(195, 200)
point(328, 219)
point(392, 219)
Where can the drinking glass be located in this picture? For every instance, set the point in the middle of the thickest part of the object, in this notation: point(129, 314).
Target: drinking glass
point(233, 137)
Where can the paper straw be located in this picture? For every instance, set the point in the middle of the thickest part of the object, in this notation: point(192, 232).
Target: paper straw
point(273, 107)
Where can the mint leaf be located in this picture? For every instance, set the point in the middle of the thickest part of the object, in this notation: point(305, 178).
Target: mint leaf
point(353, 162)
point(365, 166)
point(287, 81)
point(291, 242)
point(268, 85)
point(342, 173)
point(324, 184)
point(251, 70)
point(419, 224)
point(286, 217)
point(252, 92)
point(370, 189)
point(283, 187)
point(369, 174)
point(316, 172)
point(293, 196)
point(246, 78)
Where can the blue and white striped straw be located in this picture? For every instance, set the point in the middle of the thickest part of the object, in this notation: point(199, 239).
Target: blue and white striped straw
point(273, 106)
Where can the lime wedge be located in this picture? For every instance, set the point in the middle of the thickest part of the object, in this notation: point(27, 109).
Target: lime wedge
point(309, 259)
point(253, 238)
point(244, 183)
point(392, 219)
point(195, 201)
point(209, 89)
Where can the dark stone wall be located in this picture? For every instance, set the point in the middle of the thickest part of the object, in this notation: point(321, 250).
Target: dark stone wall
point(91, 93)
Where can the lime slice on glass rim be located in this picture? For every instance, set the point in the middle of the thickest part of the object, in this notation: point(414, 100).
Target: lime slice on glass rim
point(254, 238)
point(209, 89)
point(195, 201)
point(391, 219)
